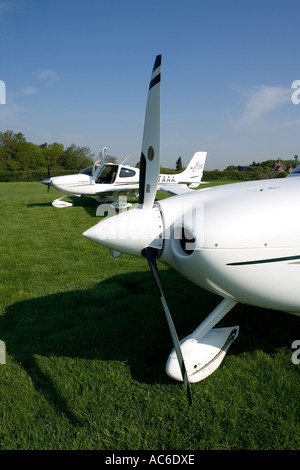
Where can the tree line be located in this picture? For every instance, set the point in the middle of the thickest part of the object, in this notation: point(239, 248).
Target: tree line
point(25, 161)
point(18, 154)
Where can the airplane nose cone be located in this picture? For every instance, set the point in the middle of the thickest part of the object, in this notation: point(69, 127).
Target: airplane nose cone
point(129, 232)
point(46, 181)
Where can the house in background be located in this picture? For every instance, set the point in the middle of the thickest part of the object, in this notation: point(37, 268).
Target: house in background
point(279, 166)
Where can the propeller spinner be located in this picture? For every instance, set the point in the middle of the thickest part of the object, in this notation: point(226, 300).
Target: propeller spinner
point(47, 181)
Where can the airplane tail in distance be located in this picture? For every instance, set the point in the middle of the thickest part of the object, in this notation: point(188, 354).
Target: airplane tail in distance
point(194, 171)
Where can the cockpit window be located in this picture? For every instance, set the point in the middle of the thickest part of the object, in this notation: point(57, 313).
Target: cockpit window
point(87, 171)
point(108, 174)
point(126, 173)
point(297, 169)
point(295, 172)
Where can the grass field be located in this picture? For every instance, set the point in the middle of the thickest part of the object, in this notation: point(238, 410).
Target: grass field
point(87, 341)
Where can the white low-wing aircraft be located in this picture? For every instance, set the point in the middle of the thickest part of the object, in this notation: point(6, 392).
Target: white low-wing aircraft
point(240, 241)
point(109, 179)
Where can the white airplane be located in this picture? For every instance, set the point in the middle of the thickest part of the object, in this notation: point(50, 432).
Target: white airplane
point(106, 179)
point(240, 241)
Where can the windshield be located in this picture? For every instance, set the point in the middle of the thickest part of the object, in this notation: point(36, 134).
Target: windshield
point(87, 171)
point(295, 172)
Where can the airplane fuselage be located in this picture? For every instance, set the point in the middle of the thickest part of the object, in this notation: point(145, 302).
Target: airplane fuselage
point(243, 241)
point(115, 178)
point(83, 183)
point(240, 241)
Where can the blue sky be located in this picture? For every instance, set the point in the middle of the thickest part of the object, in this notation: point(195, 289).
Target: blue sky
point(77, 71)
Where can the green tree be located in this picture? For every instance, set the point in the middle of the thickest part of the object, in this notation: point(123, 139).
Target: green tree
point(231, 168)
point(76, 158)
point(9, 138)
point(52, 153)
point(179, 164)
point(110, 159)
point(11, 150)
point(30, 156)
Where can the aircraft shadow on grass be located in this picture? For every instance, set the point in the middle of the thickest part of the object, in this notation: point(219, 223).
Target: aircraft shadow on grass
point(121, 319)
point(89, 204)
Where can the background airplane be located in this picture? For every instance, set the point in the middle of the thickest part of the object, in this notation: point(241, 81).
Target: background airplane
point(109, 179)
point(240, 241)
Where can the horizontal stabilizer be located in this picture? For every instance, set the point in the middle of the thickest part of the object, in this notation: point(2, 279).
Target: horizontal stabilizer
point(175, 189)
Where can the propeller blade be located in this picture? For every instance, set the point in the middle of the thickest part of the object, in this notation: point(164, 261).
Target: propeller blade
point(151, 255)
point(49, 184)
point(150, 155)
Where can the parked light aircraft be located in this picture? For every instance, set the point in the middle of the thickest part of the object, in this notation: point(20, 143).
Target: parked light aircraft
point(227, 239)
point(106, 179)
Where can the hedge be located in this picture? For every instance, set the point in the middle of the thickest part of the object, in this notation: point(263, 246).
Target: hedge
point(236, 175)
point(32, 175)
point(39, 175)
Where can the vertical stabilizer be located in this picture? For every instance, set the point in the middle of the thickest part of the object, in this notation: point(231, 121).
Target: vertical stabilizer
point(194, 171)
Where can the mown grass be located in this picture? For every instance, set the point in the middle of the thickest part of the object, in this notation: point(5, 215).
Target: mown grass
point(87, 341)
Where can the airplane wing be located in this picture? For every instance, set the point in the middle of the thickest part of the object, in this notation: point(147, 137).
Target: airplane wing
point(175, 189)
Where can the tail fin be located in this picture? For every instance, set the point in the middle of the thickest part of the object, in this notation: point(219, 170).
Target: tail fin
point(194, 171)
